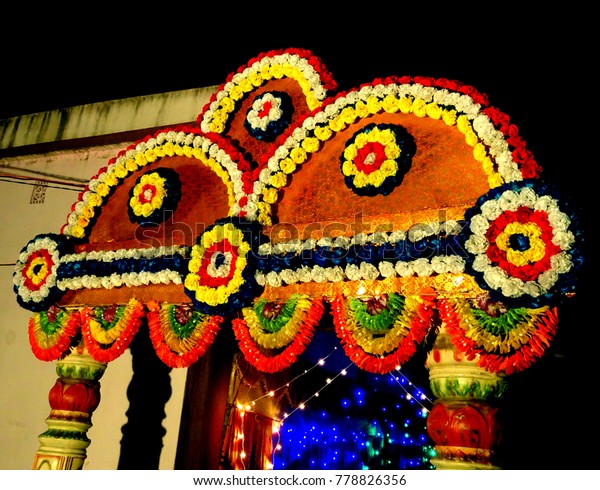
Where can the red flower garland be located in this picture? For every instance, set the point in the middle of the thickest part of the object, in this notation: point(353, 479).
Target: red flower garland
point(519, 360)
point(419, 326)
point(60, 341)
point(207, 332)
point(132, 318)
point(274, 363)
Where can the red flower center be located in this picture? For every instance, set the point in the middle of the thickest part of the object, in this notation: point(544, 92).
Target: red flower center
point(216, 259)
point(182, 313)
point(109, 313)
point(147, 194)
point(272, 310)
point(265, 109)
point(370, 157)
point(376, 305)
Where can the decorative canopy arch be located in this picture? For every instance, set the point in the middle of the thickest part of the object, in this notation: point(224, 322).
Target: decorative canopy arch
point(389, 201)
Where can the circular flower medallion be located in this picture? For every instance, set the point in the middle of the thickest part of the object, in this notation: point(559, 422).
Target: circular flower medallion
point(220, 275)
point(34, 279)
point(269, 116)
point(376, 159)
point(154, 197)
point(521, 243)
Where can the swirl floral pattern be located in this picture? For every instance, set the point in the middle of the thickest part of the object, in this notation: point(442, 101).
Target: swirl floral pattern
point(154, 197)
point(376, 158)
point(220, 272)
point(522, 244)
point(35, 275)
point(269, 116)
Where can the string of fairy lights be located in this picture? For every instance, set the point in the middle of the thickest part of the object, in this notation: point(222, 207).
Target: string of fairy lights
point(410, 392)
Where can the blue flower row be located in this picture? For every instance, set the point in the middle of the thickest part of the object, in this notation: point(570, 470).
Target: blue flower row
point(330, 256)
point(99, 268)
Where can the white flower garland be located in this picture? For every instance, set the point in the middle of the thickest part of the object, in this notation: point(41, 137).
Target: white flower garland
point(129, 279)
point(415, 233)
point(365, 271)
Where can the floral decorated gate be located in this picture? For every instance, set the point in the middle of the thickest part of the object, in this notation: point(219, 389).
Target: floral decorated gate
point(407, 208)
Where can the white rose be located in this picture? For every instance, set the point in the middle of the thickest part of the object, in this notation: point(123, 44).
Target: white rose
point(334, 274)
point(495, 278)
point(387, 269)
point(509, 200)
point(353, 272)
point(476, 244)
point(305, 274)
point(479, 224)
point(438, 264)
point(379, 238)
point(260, 278)
point(273, 279)
point(547, 279)
point(342, 242)
point(563, 239)
point(491, 210)
point(527, 197)
point(318, 274)
point(481, 263)
point(289, 276)
point(532, 288)
point(422, 267)
point(397, 236)
point(512, 287)
point(404, 269)
point(561, 263)
point(369, 271)
point(455, 264)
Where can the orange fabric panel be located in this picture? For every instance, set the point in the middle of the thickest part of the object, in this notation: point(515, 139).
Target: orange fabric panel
point(203, 200)
point(444, 175)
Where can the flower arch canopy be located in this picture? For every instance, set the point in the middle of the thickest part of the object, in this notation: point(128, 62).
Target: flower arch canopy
point(403, 196)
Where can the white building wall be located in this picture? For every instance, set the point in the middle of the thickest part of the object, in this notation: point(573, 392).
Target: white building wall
point(24, 380)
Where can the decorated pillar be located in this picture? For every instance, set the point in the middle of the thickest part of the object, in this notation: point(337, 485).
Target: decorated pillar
point(463, 421)
point(73, 399)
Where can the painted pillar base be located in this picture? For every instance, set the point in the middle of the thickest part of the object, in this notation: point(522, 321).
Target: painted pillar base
point(73, 398)
point(463, 421)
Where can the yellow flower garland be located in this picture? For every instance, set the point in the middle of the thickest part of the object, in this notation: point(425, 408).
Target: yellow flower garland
point(283, 336)
point(500, 344)
point(107, 337)
point(375, 344)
